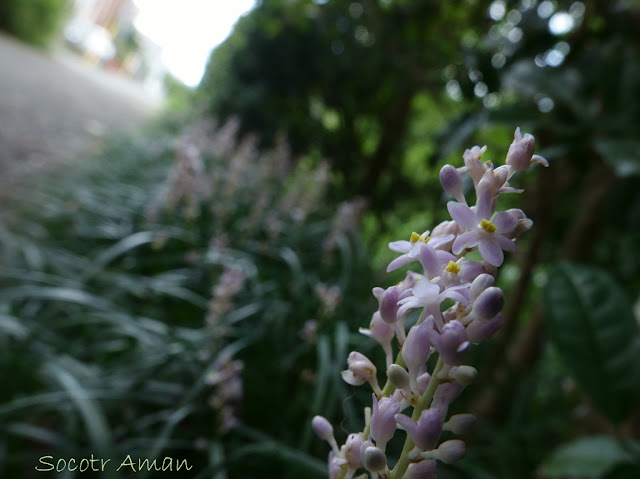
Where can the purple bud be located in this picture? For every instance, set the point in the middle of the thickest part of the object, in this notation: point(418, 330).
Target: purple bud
point(452, 182)
point(445, 394)
point(426, 432)
point(489, 303)
point(520, 151)
point(416, 348)
point(523, 223)
point(460, 423)
point(383, 423)
point(451, 451)
point(374, 459)
point(453, 344)
point(480, 329)
point(481, 283)
point(493, 180)
point(388, 301)
point(322, 428)
point(425, 469)
point(380, 330)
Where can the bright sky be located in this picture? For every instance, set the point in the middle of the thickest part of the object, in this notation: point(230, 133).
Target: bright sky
point(187, 30)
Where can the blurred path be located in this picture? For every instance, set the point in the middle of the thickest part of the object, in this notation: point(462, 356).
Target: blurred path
point(53, 107)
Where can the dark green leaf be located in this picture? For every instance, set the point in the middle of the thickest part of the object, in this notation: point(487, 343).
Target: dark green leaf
point(592, 325)
point(586, 458)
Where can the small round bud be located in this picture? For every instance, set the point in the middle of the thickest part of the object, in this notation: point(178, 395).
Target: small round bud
point(489, 303)
point(322, 427)
point(460, 423)
point(465, 375)
point(451, 451)
point(398, 376)
point(374, 459)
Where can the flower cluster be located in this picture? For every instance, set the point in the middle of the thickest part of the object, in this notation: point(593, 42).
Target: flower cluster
point(459, 304)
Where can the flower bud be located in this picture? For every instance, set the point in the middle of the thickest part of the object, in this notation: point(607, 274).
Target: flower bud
point(480, 329)
point(416, 348)
point(493, 180)
point(398, 376)
point(481, 283)
point(452, 182)
point(374, 459)
point(489, 303)
point(426, 432)
point(361, 370)
point(352, 450)
point(425, 469)
point(383, 423)
point(465, 375)
point(322, 427)
point(388, 301)
point(521, 151)
point(460, 423)
point(452, 343)
point(445, 394)
point(523, 223)
point(451, 451)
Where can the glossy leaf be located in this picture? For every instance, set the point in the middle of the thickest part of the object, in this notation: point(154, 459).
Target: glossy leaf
point(586, 458)
point(593, 328)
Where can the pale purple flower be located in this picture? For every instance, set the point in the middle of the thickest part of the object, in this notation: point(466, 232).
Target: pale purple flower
point(411, 249)
point(426, 294)
point(473, 163)
point(485, 231)
point(383, 422)
point(361, 370)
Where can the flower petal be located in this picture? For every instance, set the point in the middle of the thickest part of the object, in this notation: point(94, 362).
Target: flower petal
point(400, 246)
point(468, 239)
point(505, 243)
point(462, 214)
point(505, 222)
point(483, 204)
point(399, 262)
point(491, 251)
point(429, 260)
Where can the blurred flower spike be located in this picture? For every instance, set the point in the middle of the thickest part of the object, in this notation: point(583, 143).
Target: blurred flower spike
point(413, 399)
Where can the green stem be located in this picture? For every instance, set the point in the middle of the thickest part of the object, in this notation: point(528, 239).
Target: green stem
point(424, 401)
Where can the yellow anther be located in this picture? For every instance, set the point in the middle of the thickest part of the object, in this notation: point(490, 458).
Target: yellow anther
point(488, 226)
point(415, 237)
point(453, 267)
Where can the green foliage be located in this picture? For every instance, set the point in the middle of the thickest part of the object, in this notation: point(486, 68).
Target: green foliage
point(592, 325)
point(33, 21)
point(139, 288)
point(589, 458)
point(339, 77)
